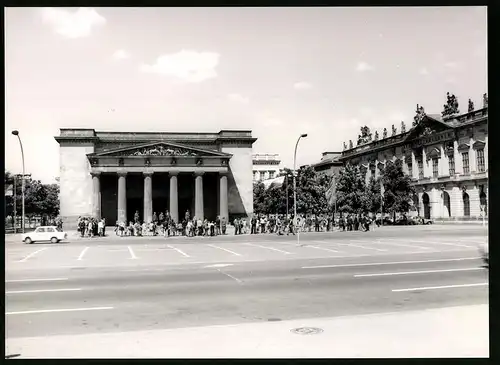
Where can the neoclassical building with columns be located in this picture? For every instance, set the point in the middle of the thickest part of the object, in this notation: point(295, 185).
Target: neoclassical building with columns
point(445, 156)
point(115, 174)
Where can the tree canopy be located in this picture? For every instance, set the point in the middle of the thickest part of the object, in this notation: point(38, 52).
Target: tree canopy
point(350, 190)
point(398, 191)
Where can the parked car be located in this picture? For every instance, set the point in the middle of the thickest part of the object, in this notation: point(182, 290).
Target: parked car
point(45, 233)
point(483, 251)
point(405, 221)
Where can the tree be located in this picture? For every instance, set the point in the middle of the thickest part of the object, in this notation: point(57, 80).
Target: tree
point(350, 190)
point(259, 198)
point(311, 191)
point(372, 197)
point(398, 191)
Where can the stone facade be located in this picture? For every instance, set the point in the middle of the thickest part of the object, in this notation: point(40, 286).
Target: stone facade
point(265, 167)
point(113, 173)
point(447, 159)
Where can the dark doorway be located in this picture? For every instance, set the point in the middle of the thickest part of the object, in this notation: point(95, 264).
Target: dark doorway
point(185, 190)
point(109, 198)
point(447, 205)
point(161, 191)
point(466, 201)
point(484, 202)
point(135, 196)
point(210, 195)
point(427, 206)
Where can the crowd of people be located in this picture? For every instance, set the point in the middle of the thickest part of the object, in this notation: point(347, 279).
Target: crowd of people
point(280, 224)
point(91, 227)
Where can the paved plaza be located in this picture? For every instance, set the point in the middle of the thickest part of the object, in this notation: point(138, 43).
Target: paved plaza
point(122, 287)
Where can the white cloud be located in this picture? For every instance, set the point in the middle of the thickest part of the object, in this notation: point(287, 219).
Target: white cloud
point(190, 66)
point(423, 71)
point(363, 66)
point(238, 98)
point(121, 54)
point(72, 24)
point(451, 65)
point(302, 85)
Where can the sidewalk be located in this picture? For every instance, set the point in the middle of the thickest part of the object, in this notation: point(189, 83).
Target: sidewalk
point(445, 332)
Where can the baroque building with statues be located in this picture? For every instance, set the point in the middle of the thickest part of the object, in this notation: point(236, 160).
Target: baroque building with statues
point(446, 156)
point(115, 174)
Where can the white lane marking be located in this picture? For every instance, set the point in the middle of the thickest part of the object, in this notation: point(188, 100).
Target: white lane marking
point(225, 249)
point(389, 263)
point(379, 241)
point(60, 310)
point(440, 287)
point(321, 248)
point(181, 252)
point(33, 254)
point(416, 272)
point(219, 265)
point(229, 275)
point(442, 243)
point(40, 291)
point(269, 248)
point(359, 246)
point(132, 254)
point(30, 280)
point(83, 253)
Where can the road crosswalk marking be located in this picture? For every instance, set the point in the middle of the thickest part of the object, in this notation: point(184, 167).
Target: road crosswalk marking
point(33, 254)
point(443, 243)
point(225, 249)
point(359, 246)
point(400, 244)
point(321, 248)
point(176, 249)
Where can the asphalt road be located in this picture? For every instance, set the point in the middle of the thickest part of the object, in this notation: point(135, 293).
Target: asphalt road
point(59, 291)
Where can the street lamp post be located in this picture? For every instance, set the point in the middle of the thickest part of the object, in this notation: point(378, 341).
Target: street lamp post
point(304, 135)
point(16, 133)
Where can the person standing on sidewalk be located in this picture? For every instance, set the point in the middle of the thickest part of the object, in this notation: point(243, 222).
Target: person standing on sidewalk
point(223, 225)
point(217, 226)
point(254, 225)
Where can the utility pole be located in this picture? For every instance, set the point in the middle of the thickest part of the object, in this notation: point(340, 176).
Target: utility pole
point(295, 187)
point(15, 204)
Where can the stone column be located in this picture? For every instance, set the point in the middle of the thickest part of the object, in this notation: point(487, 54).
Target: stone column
point(475, 204)
point(148, 197)
point(96, 198)
point(414, 165)
point(224, 210)
point(199, 211)
point(122, 197)
point(174, 198)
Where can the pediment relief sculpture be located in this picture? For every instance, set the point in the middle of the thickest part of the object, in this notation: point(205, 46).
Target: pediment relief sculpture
point(160, 151)
point(478, 145)
point(434, 153)
point(463, 147)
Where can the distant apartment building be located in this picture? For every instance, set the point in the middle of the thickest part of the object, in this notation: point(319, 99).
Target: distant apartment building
point(265, 166)
point(329, 164)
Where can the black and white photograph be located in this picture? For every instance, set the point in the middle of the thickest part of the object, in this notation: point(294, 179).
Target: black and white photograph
point(246, 182)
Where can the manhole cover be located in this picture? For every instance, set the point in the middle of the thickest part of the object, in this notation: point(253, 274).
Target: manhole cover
point(306, 330)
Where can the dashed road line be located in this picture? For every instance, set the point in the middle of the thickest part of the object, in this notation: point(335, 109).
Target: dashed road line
point(440, 287)
point(30, 280)
point(443, 243)
point(231, 276)
point(225, 249)
point(80, 258)
point(269, 248)
point(41, 291)
point(379, 241)
point(176, 249)
point(321, 248)
point(59, 310)
point(389, 263)
point(33, 254)
point(416, 272)
point(132, 254)
point(359, 246)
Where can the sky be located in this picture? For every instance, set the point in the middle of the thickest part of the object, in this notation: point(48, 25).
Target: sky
point(279, 72)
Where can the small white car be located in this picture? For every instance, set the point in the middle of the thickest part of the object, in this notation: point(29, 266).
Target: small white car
point(45, 233)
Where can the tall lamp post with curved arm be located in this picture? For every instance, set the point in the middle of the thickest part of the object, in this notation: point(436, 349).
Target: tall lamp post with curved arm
point(16, 133)
point(295, 187)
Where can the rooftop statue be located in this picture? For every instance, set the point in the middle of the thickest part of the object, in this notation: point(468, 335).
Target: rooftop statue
point(376, 136)
point(394, 131)
point(403, 127)
point(420, 114)
point(345, 146)
point(485, 100)
point(366, 135)
point(451, 106)
point(471, 106)
point(350, 144)
point(384, 135)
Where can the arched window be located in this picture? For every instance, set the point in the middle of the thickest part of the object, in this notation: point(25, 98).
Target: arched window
point(466, 200)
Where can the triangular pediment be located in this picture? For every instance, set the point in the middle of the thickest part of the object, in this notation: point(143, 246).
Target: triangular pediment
point(166, 149)
point(430, 124)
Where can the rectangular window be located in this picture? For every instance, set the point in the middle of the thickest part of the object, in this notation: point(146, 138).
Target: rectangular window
point(420, 169)
point(465, 162)
point(271, 174)
point(262, 175)
point(372, 170)
point(480, 160)
point(255, 175)
point(451, 164)
point(410, 169)
point(435, 167)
